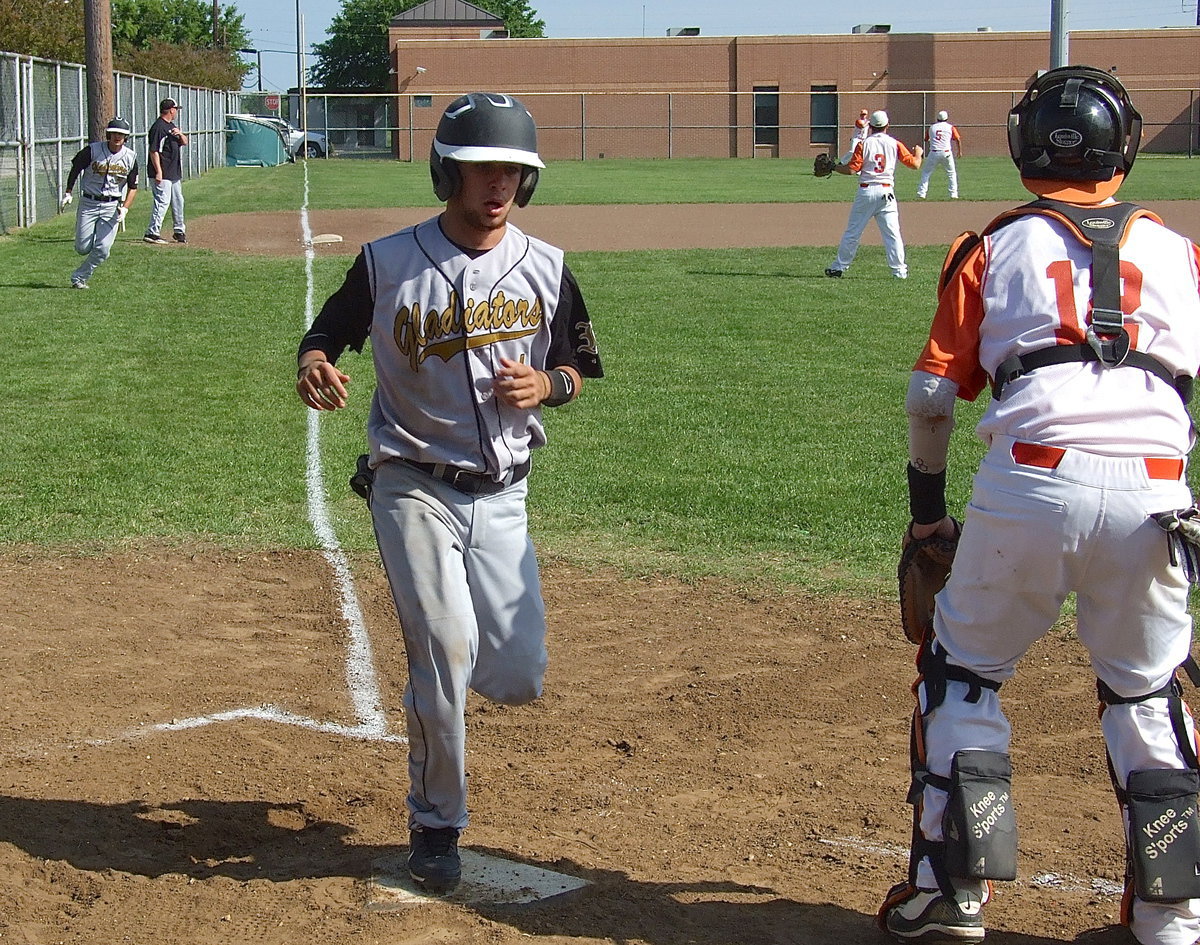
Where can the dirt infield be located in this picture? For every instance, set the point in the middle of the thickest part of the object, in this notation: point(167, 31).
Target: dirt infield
point(665, 226)
point(725, 767)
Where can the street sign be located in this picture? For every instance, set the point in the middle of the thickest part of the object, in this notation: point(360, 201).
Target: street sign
point(272, 103)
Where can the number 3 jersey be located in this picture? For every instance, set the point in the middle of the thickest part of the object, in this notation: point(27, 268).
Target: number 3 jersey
point(1027, 286)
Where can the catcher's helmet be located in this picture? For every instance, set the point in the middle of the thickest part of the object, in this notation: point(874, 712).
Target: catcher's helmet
point(118, 125)
point(1075, 123)
point(481, 127)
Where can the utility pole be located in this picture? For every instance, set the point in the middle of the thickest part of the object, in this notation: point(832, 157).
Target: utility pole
point(216, 21)
point(1058, 34)
point(97, 38)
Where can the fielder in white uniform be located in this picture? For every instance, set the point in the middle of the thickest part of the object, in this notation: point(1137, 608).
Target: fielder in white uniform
point(874, 161)
point(861, 130)
point(109, 172)
point(474, 328)
point(1090, 350)
point(943, 141)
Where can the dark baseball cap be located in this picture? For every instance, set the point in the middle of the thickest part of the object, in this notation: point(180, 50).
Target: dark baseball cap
point(167, 103)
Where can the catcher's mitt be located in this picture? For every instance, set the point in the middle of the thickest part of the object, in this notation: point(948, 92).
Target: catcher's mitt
point(823, 165)
point(924, 567)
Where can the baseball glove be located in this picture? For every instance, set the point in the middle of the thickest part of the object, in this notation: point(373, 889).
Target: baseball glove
point(823, 165)
point(922, 572)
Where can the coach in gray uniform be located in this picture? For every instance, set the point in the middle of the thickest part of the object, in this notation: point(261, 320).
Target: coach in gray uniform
point(109, 170)
point(474, 327)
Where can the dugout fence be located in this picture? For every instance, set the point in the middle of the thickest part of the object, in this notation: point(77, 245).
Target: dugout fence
point(763, 123)
point(44, 122)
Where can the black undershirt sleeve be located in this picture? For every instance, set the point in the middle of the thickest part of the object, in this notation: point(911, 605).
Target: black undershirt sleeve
point(572, 340)
point(345, 319)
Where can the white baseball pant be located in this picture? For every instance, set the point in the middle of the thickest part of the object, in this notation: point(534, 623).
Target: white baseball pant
point(1031, 536)
point(932, 161)
point(167, 193)
point(95, 233)
point(465, 582)
point(876, 201)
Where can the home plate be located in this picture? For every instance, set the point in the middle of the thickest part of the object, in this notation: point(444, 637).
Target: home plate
point(325, 238)
point(485, 879)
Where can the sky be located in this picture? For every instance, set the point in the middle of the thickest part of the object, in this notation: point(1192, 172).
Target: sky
point(273, 25)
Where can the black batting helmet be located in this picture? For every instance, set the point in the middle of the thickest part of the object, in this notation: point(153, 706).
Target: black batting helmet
point(118, 125)
point(1075, 123)
point(481, 127)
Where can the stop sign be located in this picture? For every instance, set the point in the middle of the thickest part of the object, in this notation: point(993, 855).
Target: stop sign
point(272, 103)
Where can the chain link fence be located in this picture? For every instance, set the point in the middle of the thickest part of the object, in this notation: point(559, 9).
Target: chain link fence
point(763, 123)
point(43, 124)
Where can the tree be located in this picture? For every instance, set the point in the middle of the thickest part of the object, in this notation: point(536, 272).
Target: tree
point(356, 54)
point(173, 40)
point(51, 29)
point(166, 39)
point(137, 24)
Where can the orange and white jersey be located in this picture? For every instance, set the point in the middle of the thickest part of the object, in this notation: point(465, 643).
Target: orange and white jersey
point(940, 136)
point(875, 159)
point(1028, 286)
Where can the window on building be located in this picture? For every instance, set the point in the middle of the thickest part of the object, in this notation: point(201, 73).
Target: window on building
point(766, 114)
point(823, 112)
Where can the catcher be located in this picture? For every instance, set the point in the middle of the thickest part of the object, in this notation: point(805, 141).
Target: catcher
point(1083, 316)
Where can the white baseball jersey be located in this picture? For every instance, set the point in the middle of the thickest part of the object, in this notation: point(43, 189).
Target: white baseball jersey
point(440, 328)
point(941, 134)
point(1034, 283)
point(875, 159)
point(102, 173)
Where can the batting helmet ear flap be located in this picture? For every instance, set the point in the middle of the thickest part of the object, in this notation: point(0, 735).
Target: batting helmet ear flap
point(525, 189)
point(447, 178)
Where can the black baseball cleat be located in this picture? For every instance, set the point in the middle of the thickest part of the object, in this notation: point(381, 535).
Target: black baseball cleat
point(433, 860)
point(179, 236)
point(154, 238)
point(834, 273)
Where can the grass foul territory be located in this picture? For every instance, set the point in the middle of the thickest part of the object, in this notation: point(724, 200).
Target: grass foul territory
point(750, 426)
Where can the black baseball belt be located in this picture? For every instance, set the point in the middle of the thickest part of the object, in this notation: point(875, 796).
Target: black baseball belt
point(468, 481)
point(101, 199)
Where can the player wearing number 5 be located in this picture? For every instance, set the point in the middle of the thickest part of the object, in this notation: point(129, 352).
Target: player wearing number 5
point(1082, 316)
point(874, 161)
point(943, 140)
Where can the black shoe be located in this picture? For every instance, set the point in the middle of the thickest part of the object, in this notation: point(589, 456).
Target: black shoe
point(433, 860)
point(154, 238)
point(834, 273)
point(180, 237)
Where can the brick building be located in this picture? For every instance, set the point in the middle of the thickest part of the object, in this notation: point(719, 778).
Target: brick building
point(742, 96)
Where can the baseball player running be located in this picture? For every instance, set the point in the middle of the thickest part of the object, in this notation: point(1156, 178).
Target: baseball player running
point(109, 171)
point(1084, 316)
point(474, 328)
point(943, 140)
point(874, 161)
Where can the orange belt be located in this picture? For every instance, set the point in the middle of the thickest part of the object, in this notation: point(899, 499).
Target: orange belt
point(1048, 457)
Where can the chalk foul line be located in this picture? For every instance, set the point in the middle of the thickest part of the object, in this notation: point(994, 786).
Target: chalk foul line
point(371, 722)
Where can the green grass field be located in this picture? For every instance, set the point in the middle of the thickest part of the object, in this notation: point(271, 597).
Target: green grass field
point(750, 425)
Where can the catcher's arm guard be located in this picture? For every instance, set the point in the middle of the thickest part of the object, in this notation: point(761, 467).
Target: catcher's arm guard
point(823, 165)
point(922, 572)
